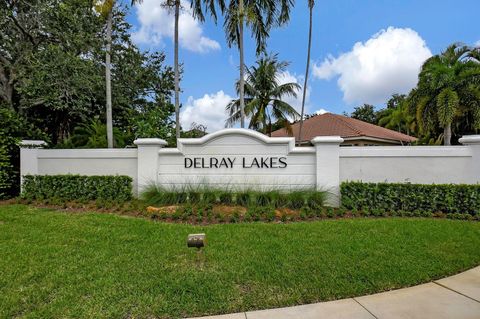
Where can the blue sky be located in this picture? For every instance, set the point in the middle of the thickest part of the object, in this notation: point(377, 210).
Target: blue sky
point(362, 51)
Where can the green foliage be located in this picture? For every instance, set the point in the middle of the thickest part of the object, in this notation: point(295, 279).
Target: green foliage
point(447, 104)
point(156, 121)
point(265, 97)
point(380, 198)
point(154, 195)
point(52, 70)
point(77, 188)
point(448, 93)
point(6, 172)
point(365, 113)
point(397, 115)
point(94, 135)
point(195, 131)
point(258, 15)
point(298, 263)
point(12, 130)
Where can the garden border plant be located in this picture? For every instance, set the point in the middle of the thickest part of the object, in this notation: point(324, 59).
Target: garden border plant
point(201, 204)
point(203, 194)
point(80, 188)
point(402, 199)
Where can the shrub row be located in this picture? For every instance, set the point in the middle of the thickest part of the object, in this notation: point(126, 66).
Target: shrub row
point(208, 214)
point(6, 172)
point(77, 187)
point(294, 199)
point(447, 199)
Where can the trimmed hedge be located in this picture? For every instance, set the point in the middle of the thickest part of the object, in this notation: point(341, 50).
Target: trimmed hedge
point(6, 172)
point(446, 198)
point(77, 187)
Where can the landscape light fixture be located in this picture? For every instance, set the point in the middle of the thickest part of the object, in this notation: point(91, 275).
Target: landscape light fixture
point(196, 240)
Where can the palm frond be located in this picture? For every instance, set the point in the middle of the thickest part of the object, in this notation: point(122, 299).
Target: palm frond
point(286, 89)
point(285, 108)
point(447, 104)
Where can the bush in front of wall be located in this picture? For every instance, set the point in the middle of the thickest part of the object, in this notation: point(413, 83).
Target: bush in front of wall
point(411, 199)
point(235, 217)
point(103, 189)
point(254, 213)
point(6, 172)
point(268, 213)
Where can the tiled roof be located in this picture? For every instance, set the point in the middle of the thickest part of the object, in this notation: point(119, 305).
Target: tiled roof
point(332, 124)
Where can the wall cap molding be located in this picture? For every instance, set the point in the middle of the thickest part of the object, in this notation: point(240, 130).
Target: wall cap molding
point(470, 140)
point(237, 131)
point(150, 142)
point(327, 140)
point(32, 144)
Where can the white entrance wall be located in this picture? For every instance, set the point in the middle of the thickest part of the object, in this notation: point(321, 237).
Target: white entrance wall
point(241, 158)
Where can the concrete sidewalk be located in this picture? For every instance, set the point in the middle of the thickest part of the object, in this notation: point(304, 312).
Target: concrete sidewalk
point(456, 297)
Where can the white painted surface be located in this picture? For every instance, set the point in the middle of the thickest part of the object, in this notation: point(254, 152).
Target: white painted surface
point(80, 161)
point(327, 150)
point(237, 145)
point(323, 166)
point(413, 164)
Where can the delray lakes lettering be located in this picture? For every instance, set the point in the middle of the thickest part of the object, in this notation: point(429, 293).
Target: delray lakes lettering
point(229, 162)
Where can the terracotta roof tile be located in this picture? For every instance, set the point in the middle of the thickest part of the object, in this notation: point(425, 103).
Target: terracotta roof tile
point(333, 124)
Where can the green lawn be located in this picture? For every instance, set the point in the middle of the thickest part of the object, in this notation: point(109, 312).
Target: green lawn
point(55, 264)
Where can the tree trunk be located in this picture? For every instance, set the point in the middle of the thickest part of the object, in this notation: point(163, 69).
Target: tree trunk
point(447, 134)
point(306, 76)
point(108, 80)
point(242, 62)
point(177, 90)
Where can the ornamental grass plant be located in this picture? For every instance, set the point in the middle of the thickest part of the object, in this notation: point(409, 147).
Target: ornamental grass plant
point(202, 194)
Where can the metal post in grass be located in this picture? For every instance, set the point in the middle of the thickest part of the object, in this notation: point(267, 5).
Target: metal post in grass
point(198, 241)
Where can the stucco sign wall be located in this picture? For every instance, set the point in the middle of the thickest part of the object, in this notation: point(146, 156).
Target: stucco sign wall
point(233, 158)
point(240, 158)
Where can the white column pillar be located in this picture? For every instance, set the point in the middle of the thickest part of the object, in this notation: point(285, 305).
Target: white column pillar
point(29, 158)
point(473, 141)
point(147, 161)
point(327, 152)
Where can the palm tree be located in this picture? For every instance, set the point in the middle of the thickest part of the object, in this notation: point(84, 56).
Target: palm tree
point(105, 8)
point(264, 104)
point(92, 135)
point(398, 117)
point(474, 54)
point(311, 3)
point(196, 6)
point(177, 75)
point(260, 16)
point(447, 91)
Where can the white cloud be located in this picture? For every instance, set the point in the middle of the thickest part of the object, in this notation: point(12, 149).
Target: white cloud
point(321, 111)
point(208, 110)
point(477, 44)
point(296, 102)
point(157, 23)
point(388, 63)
